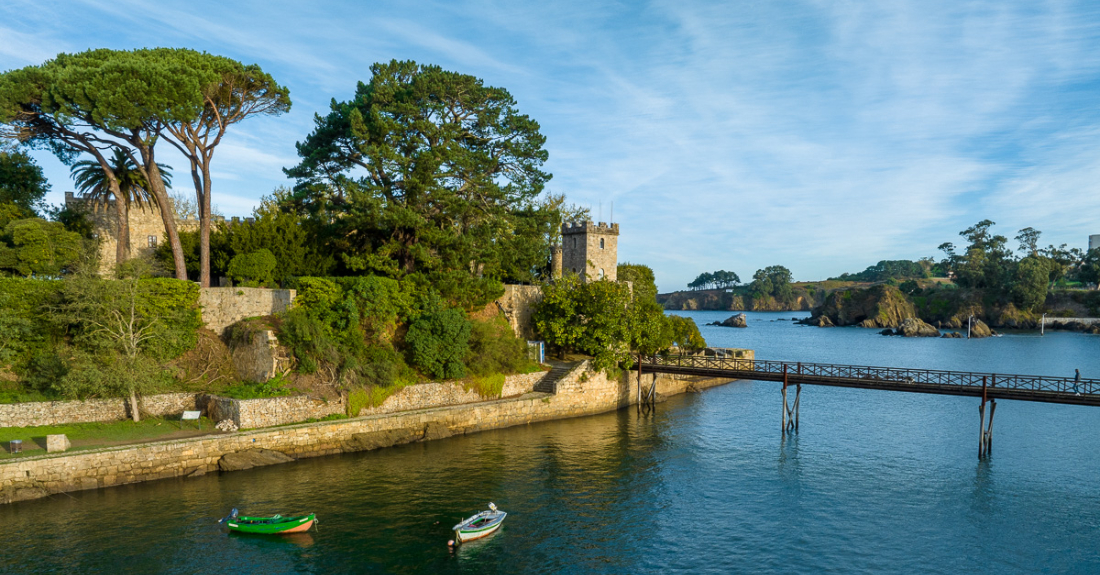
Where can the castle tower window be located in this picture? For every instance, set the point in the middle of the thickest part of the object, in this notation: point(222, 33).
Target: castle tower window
point(601, 243)
point(574, 243)
point(601, 269)
point(152, 241)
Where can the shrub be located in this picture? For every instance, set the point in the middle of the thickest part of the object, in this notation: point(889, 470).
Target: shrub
point(494, 348)
point(438, 342)
point(490, 386)
point(382, 366)
point(277, 386)
point(253, 269)
point(309, 339)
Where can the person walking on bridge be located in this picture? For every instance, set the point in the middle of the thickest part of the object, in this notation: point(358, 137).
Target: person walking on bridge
point(1076, 380)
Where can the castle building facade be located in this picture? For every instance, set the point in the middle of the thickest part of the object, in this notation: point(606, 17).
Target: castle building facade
point(589, 250)
point(146, 227)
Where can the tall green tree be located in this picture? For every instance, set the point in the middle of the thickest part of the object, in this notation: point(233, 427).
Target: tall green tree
point(1089, 271)
point(232, 93)
point(425, 172)
point(774, 281)
point(122, 178)
point(21, 180)
point(1029, 286)
point(129, 101)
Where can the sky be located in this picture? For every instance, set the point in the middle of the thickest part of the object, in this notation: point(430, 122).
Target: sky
point(819, 135)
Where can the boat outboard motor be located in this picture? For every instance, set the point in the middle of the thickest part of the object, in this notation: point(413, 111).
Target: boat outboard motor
point(492, 506)
point(232, 515)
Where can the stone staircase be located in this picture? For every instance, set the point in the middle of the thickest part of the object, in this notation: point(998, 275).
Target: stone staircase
point(549, 382)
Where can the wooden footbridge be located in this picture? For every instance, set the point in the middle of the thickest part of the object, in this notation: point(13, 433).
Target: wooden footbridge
point(989, 387)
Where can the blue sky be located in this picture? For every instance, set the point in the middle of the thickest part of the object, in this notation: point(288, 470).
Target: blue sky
point(823, 136)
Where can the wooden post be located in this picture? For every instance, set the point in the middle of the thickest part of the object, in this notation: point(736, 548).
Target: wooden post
point(639, 383)
point(784, 427)
point(981, 422)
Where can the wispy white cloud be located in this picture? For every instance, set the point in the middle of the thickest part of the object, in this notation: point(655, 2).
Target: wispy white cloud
point(817, 134)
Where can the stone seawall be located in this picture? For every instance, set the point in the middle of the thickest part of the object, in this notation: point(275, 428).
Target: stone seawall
point(223, 307)
point(580, 393)
point(91, 410)
point(272, 411)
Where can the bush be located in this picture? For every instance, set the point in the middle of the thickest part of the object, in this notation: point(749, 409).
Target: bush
point(494, 348)
point(438, 342)
point(309, 339)
point(489, 387)
point(253, 269)
point(382, 366)
point(277, 386)
point(23, 328)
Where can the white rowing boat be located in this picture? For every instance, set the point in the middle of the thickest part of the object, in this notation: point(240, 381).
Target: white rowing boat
point(479, 525)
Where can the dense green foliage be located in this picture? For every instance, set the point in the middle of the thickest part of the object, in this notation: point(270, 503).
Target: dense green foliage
point(253, 269)
point(286, 234)
point(434, 175)
point(35, 247)
point(128, 101)
point(772, 281)
point(890, 270)
point(21, 181)
point(604, 320)
point(438, 343)
point(495, 349)
point(89, 337)
point(720, 279)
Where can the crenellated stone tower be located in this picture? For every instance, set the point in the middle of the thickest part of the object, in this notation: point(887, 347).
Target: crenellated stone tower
point(146, 228)
point(590, 250)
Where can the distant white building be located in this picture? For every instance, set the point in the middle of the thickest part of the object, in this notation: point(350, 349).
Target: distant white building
point(1094, 241)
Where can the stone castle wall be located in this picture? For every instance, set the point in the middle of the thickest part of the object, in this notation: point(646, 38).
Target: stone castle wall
point(590, 250)
point(517, 304)
point(39, 413)
point(223, 306)
point(586, 393)
point(146, 228)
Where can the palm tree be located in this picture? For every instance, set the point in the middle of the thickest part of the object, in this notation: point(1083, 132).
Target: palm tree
point(93, 180)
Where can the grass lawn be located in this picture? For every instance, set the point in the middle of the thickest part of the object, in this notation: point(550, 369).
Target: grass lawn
point(102, 434)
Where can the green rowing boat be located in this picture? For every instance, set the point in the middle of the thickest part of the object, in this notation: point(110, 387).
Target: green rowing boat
point(275, 525)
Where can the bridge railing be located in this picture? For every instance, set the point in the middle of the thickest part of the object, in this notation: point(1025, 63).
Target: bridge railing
point(749, 367)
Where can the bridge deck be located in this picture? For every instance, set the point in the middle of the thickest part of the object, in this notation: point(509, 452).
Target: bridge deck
point(991, 385)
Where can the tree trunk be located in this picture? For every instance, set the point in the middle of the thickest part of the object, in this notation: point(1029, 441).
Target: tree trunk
point(204, 229)
point(122, 215)
point(167, 214)
point(134, 406)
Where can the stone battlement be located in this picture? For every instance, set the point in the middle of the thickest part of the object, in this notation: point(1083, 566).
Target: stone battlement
point(589, 227)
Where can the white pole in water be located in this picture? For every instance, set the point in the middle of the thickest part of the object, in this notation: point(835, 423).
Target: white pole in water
point(968, 326)
point(1043, 325)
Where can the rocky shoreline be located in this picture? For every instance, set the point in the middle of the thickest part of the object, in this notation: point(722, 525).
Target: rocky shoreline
point(887, 308)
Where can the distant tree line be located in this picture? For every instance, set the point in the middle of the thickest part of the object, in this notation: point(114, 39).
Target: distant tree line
point(891, 270)
point(720, 279)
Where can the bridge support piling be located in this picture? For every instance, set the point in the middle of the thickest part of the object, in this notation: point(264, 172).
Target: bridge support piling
point(790, 411)
point(985, 428)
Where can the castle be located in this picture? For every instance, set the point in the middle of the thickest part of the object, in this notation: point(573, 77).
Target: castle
point(146, 227)
point(588, 249)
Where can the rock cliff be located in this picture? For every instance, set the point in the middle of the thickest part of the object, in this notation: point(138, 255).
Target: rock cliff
point(877, 306)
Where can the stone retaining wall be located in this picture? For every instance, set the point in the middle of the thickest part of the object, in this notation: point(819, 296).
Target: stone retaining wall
point(1059, 322)
point(223, 307)
point(270, 411)
point(588, 393)
point(61, 412)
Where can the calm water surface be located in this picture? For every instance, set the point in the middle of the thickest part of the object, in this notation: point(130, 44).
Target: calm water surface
point(875, 482)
